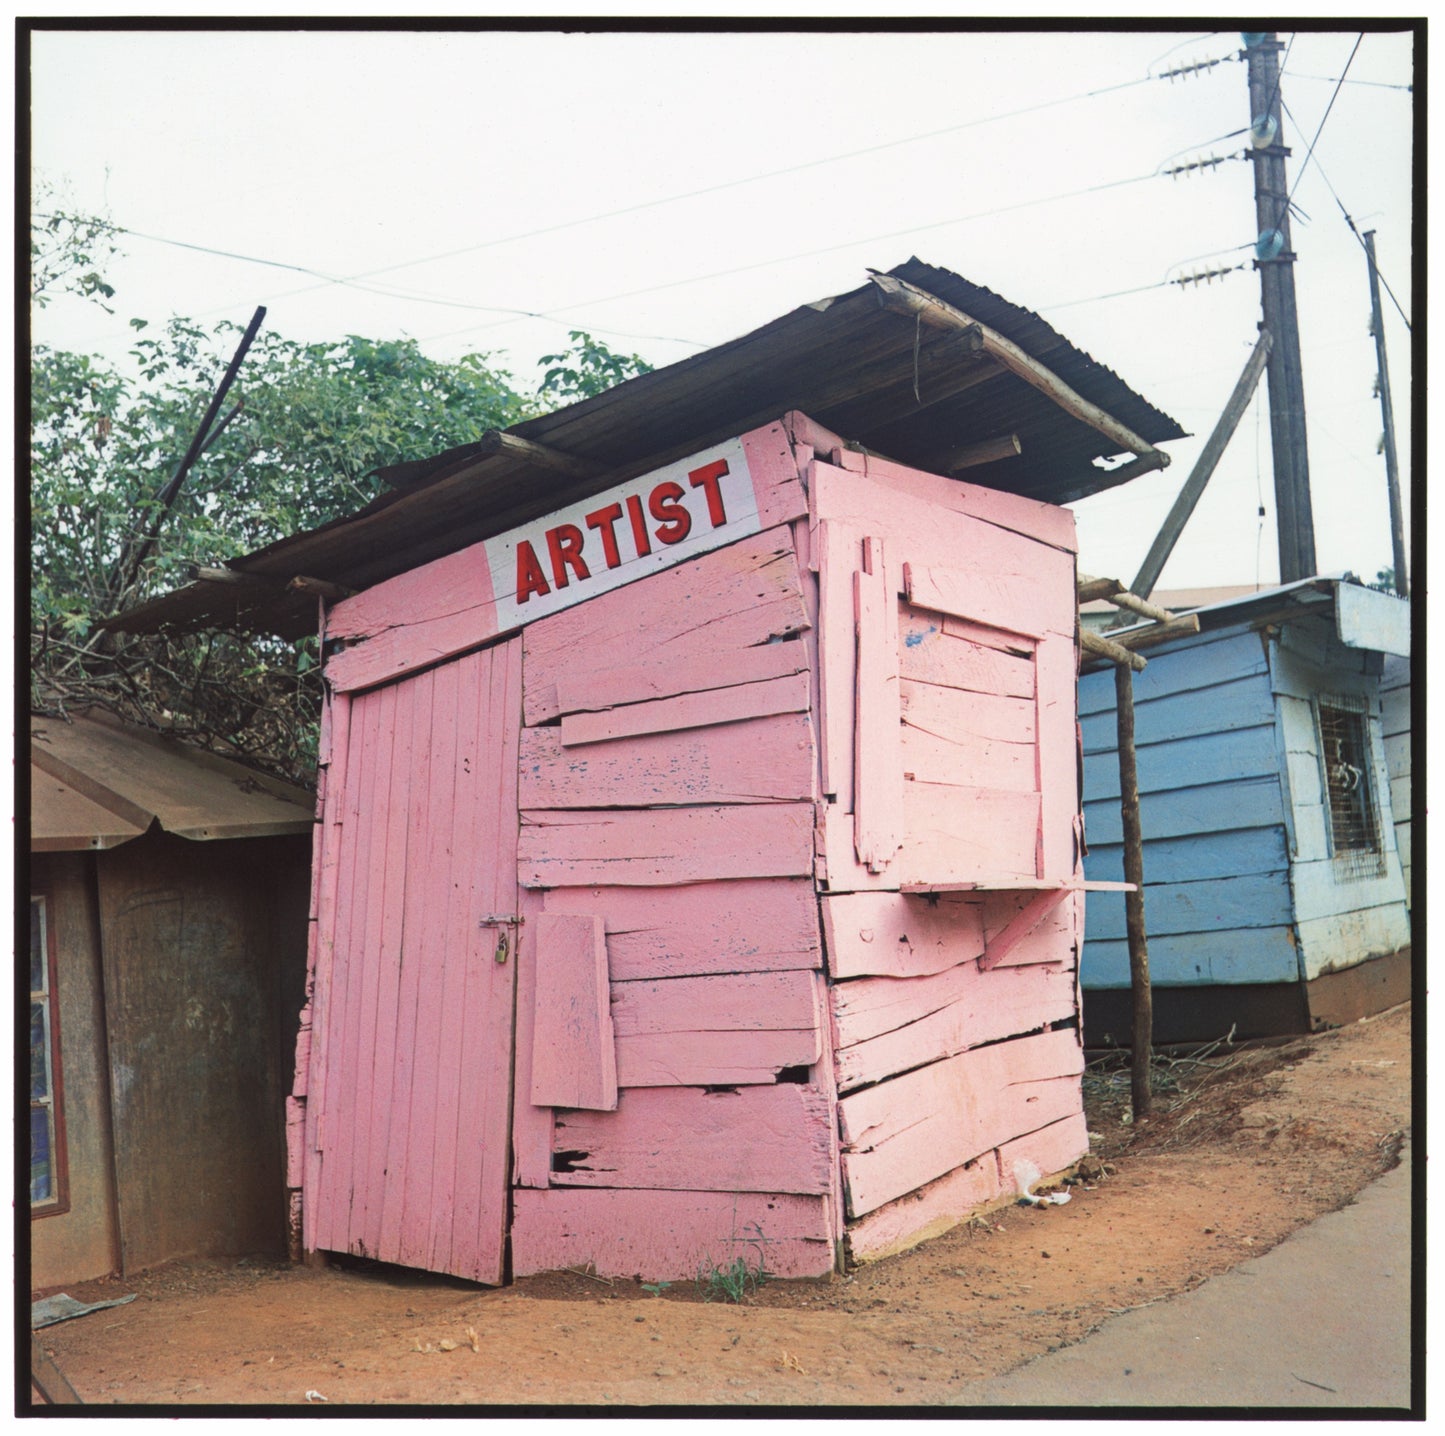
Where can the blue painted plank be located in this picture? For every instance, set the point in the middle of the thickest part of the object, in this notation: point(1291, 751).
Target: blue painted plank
point(1192, 664)
point(1195, 856)
point(1242, 703)
point(1187, 763)
point(1215, 904)
point(1248, 803)
point(1348, 939)
point(1258, 954)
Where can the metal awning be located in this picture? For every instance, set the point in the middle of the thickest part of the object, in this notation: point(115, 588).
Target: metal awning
point(96, 783)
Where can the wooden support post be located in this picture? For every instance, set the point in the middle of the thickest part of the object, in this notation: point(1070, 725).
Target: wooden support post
point(497, 441)
point(1092, 588)
point(904, 298)
point(1188, 497)
point(988, 452)
point(1142, 1039)
point(1090, 642)
point(1177, 627)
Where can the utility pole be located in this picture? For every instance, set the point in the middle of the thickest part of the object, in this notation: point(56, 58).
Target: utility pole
point(1274, 258)
point(1387, 411)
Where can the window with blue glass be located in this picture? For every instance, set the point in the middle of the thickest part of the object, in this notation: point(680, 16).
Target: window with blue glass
point(47, 1139)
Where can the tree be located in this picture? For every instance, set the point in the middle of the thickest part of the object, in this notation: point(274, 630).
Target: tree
point(304, 427)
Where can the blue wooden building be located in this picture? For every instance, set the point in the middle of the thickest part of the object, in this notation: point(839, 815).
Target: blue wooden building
point(1274, 896)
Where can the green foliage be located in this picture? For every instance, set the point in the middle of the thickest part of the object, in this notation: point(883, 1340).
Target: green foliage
point(587, 369)
point(294, 447)
point(1384, 581)
point(67, 254)
point(740, 1277)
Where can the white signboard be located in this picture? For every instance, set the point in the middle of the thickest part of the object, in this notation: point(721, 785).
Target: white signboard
point(640, 527)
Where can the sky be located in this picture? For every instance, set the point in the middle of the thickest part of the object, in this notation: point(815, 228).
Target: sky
point(490, 191)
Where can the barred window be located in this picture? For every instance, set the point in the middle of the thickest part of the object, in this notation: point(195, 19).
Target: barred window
point(47, 1124)
point(1350, 786)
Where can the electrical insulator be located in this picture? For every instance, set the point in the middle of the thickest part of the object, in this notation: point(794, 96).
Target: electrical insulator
point(1270, 245)
point(1263, 131)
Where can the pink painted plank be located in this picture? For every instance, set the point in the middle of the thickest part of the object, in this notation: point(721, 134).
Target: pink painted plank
point(400, 754)
point(425, 1208)
point(749, 925)
point(733, 598)
point(483, 1159)
point(321, 967)
point(1033, 912)
point(900, 1134)
point(959, 715)
point(935, 649)
point(887, 1025)
point(966, 739)
point(652, 847)
point(752, 1139)
point(929, 1212)
point(574, 1050)
point(838, 551)
point(398, 1041)
point(961, 833)
point(668, 1236)
point(731, 1002)
point(1051, 939)
point(1016, 602)
point(766, 760)
point(358, 905)
point(928, 535)
point(690, 710)
point(1047, 522)
point(419, 617)
point(877, 764)
point(777, 483)
point(713, 1059)
point(736, 1029)
point(639, 683)
point(1052, 1149)
point(465, 951)
point(531, 1126)
point(838, 864)
point(1058, 756)
point(892, 935)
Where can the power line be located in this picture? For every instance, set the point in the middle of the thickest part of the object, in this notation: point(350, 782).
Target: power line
point(810, 254)
point(1310, 152)
point(1358, 238)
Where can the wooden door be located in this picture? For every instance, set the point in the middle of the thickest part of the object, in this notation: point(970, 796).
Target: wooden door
point(416, 1005)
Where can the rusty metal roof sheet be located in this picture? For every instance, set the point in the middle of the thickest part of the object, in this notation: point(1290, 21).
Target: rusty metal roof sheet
point(878, 378)
point(96, 783)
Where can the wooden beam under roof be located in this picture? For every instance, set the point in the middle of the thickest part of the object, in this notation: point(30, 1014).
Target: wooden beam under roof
point(904, 298)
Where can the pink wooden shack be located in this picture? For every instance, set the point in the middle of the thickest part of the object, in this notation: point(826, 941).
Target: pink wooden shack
point(698, 865)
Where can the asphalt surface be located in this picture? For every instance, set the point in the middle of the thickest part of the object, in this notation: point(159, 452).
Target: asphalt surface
point(1322, 1320)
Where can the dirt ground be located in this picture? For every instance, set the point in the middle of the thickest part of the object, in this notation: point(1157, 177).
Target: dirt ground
point(1245, 1146)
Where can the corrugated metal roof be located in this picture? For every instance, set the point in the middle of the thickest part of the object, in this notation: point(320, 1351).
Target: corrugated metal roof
point(96, 783)
point(880, 379)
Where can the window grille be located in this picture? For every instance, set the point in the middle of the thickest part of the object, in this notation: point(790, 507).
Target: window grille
point(47, 1126)
point(1350, 786)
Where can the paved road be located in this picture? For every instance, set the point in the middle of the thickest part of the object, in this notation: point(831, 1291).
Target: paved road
point(1323, 1320)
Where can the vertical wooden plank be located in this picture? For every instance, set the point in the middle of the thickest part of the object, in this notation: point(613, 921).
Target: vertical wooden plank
point(423, 1202)
point(413, 915)
point(372, 949)
point(878, 760)
point(574, 1057)
point(319, 975)
point(532, 1126)
point(777, 484)
point(463, 952)
point(839, 552)
point(484, 1158)
point(336, 1111)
